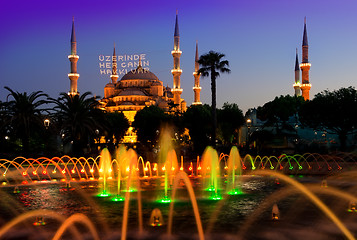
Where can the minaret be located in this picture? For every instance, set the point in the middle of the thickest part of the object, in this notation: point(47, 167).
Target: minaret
point(297, 77)
point(176, 71)
point(114, 75)
point(110, 87)
point(305, 66)
point(197, 88)
point(73, 58)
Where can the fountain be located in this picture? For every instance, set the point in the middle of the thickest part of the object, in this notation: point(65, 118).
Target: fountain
point(122, 190)
point(211, 173)
point(234, 168)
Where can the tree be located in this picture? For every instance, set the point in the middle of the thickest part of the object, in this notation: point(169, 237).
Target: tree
point(334, 112)
point(117, 126)
point(25, 114)
point(79, 119)
point(230, 119)
point(212, 64)
point(147, 124)
point(195, 119)
point(277, 112)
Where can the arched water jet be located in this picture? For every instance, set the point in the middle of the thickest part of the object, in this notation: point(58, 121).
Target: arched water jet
point(4, 229)
point(282, 194)
point(131, 159)
point(77, 217)
point(312, 197)
point(183, 176)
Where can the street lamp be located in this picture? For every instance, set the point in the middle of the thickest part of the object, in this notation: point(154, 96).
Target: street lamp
point(46, 122)
point(249, 124)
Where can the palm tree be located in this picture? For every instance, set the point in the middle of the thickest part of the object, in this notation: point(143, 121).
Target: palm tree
point(25, 115)
point(79, 118)
point(211, 64)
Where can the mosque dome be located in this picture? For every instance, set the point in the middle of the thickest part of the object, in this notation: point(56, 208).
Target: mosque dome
point(139, 73)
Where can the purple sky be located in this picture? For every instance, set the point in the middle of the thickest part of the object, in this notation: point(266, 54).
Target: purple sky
point(259, 38)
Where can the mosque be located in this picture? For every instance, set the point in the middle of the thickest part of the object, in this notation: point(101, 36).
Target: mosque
point(139, 87)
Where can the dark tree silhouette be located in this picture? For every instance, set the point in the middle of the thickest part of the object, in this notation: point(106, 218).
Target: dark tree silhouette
point(25, 115)
point(195, 119)
point(277, 112)
point(230, 119)
point(79, 119)
point(117, 126)
point(147, 124)
point(334, 112)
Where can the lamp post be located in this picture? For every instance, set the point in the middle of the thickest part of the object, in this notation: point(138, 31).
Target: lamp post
point(249, 124)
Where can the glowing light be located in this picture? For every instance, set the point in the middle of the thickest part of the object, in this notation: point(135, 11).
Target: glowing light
point(215, 196)
point(176, 70)
point(176, 90)
point(73, 75)
point(34, 173)
point(4, 174)
point(73, 56)
point(305, 64)
point(166, 199)
point(163, 168)
point(54, 171)
point(173, 169)
point(44, 172)
point(73, 171)
point(128, 169)
point(306, 85)
point(110, 170)
point(235, 192)
point(146, 169)
point(82, 170)
point(176, 51)
point(63, 171)
point(137, 169)
point(118, 198)
point(190, 168)
point(103, 194)
point(181, 169)
point(225, 167)
point(199, 168)
point(100, 170)
point(211, 189)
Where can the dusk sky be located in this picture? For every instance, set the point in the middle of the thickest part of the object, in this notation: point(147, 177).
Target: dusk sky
point(259, 38)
